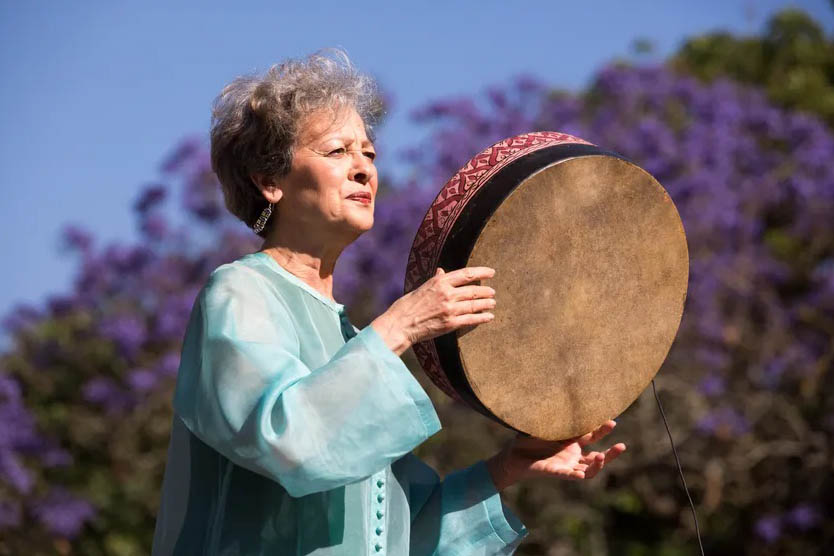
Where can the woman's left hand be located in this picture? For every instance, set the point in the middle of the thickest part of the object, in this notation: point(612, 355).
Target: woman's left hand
point(525, 457)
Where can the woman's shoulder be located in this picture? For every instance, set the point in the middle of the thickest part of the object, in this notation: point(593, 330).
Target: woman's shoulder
point(243, 293)
point(247, 269)
point(245, 277)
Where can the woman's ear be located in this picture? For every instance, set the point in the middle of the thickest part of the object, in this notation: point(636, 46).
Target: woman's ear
point(269, 187)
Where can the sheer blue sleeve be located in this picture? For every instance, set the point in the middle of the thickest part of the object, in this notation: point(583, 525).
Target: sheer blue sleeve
point(244, 390)
point(460, 515)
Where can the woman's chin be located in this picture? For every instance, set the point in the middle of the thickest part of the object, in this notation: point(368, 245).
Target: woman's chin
point(359, 226)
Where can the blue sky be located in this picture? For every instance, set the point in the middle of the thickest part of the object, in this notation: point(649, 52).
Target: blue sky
point(94, 94)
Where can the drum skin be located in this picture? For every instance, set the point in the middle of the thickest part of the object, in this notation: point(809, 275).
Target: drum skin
point(591, 273)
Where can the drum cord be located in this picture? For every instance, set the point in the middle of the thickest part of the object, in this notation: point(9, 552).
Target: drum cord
point(680, 469)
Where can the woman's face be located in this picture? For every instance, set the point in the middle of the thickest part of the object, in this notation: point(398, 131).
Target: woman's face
point(331, 187)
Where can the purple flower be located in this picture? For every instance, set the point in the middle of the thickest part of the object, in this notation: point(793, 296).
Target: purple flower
point(769, 528)
point(201, 195)
point(823, 276)
point(20, 318)
point(803, 517)
point(724, 423)
point(128, 260)
point(106, 393)
point(203, 202)
point(77, 238)
point(13, 473)
point(127, 331)
point(182, 154)
point(168, 365)
point(712, 385)
point(96, 278)
point(142, 380)
point(173, 315)
point(528, 84)
point(498, 98)
point(62, 513)
point(17, 429)
point(150, 198)
point(9, 389)
point(154, 226)
point(60, 305)
point(98, 390)
point(772, 372)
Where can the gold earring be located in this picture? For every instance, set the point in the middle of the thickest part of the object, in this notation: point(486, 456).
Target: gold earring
point(260, 223)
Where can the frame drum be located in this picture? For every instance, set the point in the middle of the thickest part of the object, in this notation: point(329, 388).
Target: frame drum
point(591, 269)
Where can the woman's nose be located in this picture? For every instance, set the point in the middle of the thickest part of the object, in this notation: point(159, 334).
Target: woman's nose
point(362, 169)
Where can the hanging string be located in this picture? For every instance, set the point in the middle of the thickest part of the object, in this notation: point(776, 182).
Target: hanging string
point(680, 469)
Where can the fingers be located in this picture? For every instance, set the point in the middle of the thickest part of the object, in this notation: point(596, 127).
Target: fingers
point(597, 434)
point(587, 466)
point(472, 292)
point(466, 301)
point(597, 460)
point(614, 451)
point(469, 274)
point(446, 303)
point(472, 306)
point(578, 472)
point(469, 319)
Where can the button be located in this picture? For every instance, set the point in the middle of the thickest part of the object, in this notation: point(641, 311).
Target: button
point(380, 498)
point(379, 530)
point(377, 547)
point(379, 483)
point(379, 514)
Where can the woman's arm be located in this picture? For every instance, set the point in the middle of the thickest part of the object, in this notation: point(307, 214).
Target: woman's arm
point(461, 514)
point(244, 390)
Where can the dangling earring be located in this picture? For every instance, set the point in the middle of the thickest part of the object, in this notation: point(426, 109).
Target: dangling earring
point(260, 223)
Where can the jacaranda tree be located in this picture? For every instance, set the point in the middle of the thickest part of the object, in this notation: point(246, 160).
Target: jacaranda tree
point(85, 387)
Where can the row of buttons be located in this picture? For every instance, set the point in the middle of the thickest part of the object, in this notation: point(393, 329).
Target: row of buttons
point(380, 498)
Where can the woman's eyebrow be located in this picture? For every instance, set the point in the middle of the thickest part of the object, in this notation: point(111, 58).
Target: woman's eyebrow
point(344, 138)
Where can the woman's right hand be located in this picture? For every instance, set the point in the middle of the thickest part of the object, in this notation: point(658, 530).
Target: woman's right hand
point(444, 303)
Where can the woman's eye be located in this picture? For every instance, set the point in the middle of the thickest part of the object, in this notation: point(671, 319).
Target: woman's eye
point(370, 154)
point(340, 150)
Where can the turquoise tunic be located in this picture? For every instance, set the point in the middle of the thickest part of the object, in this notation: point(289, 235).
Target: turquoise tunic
point(292, 434)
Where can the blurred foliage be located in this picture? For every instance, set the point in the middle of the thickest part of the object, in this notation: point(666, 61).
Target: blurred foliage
point(793, 61)
point(746, 383)
point(85, 387)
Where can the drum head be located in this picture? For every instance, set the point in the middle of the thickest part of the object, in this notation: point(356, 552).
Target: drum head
point(591, 274)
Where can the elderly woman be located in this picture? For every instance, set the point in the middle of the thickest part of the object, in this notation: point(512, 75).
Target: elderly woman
point(293, 430)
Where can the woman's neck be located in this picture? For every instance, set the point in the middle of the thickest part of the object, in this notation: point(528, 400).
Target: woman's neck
point(310, 259)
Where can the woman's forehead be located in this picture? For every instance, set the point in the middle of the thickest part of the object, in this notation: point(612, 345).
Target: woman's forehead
point(333, 123)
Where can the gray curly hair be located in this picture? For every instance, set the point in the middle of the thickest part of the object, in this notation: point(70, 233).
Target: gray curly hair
point(256, 118)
